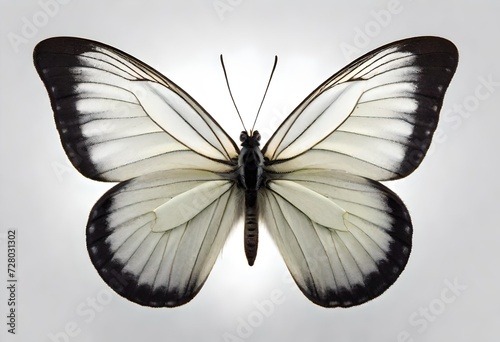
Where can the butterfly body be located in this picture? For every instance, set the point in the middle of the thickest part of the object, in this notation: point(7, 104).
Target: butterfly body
point(183, 182)
point(250, 179)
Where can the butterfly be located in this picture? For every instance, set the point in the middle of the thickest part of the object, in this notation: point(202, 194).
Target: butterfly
point(184, 184)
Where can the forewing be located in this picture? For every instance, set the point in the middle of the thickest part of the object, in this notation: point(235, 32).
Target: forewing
point(118, 118)
point(375, 118)
point(146, 258)
point(352, 257)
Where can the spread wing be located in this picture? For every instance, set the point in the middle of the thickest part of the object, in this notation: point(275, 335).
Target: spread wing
point(344, 238)
point(154, 239)
point(375, 118)
point(118, 118)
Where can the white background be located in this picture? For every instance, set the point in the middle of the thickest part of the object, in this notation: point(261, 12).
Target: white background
point(453, 197)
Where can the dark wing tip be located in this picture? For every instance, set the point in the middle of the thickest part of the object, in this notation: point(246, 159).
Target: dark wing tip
point(439, 56)
point(44, 50)
point(444, 51)
point(52, 58)
point(66, 44)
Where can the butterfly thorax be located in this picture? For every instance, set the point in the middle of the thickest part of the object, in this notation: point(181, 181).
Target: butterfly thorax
point(250, 162)
point(250, 178)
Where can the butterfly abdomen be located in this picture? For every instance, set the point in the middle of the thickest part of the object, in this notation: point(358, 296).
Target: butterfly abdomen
point(251, 225)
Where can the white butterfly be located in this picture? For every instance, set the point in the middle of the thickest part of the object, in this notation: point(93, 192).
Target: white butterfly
point(155, 236)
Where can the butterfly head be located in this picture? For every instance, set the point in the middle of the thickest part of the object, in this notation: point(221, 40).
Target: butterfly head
point(252, 140)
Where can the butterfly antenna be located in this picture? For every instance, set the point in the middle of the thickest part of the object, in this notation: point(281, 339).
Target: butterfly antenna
point(263, 97)
point(230, 93)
